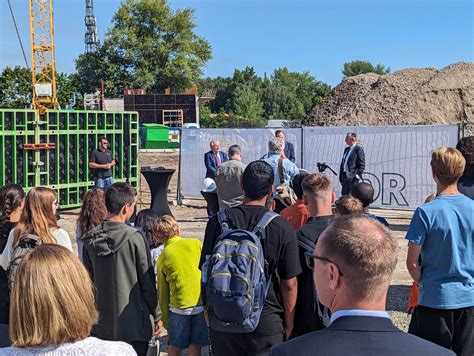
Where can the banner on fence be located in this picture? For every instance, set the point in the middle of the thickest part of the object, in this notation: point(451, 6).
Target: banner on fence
point(397, 157)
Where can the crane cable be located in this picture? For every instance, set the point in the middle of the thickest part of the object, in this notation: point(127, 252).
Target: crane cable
point(18, 34)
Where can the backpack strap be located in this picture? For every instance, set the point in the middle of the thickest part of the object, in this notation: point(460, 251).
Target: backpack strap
point(223, 220)
point(266, 219)
point(280, 170)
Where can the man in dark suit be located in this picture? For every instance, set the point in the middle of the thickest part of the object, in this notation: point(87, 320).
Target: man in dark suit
point(353, 262)
point(289, 149)
point(213, 159)
point(352, 164)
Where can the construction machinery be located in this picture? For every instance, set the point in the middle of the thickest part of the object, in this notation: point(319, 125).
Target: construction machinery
point(43, 66)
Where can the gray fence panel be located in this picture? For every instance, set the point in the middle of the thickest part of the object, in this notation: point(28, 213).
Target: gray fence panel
point(195, 143)
point(397, 158)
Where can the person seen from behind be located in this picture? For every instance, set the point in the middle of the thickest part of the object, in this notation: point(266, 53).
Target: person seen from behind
point(144, 222)
point(365, 193)
point(119, 263)
point(12, 200)
point(93, 212)
point(466, 182)
point(298, 213)
point(318, 196)
point(348, 205)
point(275, 158)
point(52, 308)
point(441, 233)
point(38, 218)
point(353, 263)
point(179, 289)
point(280, 251)
point(228, 179)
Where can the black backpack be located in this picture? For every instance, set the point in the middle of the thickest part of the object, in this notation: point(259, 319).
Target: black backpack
point(26, 243)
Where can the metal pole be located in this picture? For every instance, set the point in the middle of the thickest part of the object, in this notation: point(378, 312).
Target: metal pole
point(302, 146)
point(178, 193)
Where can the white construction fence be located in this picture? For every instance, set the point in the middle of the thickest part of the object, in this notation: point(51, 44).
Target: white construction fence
point(397, 157)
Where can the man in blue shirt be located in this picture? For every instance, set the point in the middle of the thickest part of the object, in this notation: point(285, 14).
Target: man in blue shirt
point(441, 233)
point(352, 264)
point(290, 170)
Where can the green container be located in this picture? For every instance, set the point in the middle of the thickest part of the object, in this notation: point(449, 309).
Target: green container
point(74, 134)
point(155, 136)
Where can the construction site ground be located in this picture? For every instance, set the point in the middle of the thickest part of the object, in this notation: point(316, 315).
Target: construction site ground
point(192, 218)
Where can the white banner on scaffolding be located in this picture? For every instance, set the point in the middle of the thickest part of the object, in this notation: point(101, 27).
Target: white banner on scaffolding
point(397, 157)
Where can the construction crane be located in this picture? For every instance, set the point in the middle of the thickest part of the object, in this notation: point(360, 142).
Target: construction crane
point(91, 40)
point(43, 66)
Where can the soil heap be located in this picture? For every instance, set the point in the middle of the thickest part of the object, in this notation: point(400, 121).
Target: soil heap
point(406, 97)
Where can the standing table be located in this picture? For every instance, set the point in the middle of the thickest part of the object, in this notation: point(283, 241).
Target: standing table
point(158, 180)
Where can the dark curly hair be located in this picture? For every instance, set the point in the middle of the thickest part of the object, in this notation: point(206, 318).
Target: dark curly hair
point(144, 222)
point(11, 196)
point(93, 211)
point(466, 147)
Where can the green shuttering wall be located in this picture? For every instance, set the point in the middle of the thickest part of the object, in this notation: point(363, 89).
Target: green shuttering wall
point(74, 133)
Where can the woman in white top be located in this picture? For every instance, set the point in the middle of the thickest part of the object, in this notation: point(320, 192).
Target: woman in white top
point(38, 218)
point(52, 307)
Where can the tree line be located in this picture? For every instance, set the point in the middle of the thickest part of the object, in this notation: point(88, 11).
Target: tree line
point(151, 46)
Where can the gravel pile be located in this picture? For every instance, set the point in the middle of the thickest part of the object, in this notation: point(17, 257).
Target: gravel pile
point(406, 97)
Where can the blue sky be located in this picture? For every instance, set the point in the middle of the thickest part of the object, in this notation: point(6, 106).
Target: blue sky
point(317, 36)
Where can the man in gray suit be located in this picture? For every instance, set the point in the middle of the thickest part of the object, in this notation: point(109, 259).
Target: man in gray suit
point(352, 164)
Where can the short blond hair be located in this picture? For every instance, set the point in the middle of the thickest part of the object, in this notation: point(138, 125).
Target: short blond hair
point(52, 299)
point(316, 184)
point(365, 251)
point(447, 164)
point(165, 227)
point(348, 205)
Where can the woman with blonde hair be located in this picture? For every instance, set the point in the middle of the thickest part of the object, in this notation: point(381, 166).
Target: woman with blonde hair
point(52, 307)
point(38, 218)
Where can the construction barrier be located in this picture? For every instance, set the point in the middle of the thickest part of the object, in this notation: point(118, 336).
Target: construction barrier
point(53, 149)
point(397, 157)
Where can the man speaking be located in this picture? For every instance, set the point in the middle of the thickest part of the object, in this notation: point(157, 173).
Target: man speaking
point(352, 164)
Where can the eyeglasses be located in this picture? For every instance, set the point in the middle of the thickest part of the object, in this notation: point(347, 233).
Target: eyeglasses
point(310, 261)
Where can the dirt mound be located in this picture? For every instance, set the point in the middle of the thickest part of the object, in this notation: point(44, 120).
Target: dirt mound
point(406, 97)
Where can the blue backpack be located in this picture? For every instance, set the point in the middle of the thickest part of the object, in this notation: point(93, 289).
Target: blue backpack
point(237, 277)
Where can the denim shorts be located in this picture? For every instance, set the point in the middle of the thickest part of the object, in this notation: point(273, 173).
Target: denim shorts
point(103, 182)
point(187, 330)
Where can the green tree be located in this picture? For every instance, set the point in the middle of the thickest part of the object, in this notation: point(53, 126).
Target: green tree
point(15, 87)
point(148, 46)
point(66, 84)
point(361, 67)
point(247, 103)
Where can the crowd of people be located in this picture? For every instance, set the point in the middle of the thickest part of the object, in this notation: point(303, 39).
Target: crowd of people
point(269, 277)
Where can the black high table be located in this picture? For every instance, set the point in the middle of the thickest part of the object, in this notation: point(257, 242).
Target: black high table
point(158, 180)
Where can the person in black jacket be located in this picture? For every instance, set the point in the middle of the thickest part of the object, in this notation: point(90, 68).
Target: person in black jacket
point(352, 164)
point(289, 149)
point(353, 262)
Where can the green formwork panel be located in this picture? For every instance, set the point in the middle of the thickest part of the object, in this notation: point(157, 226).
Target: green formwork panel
point(75, 135)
